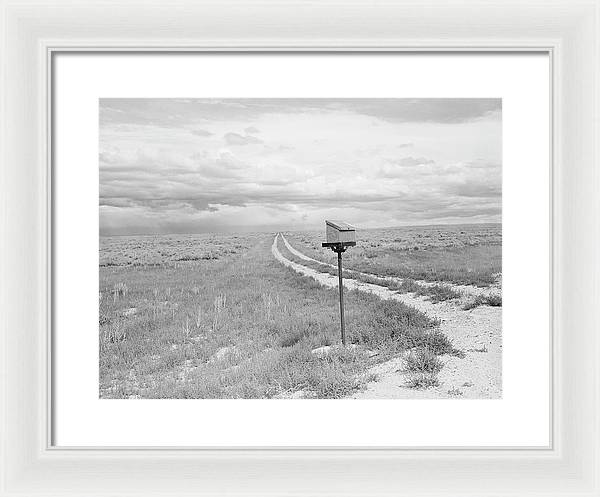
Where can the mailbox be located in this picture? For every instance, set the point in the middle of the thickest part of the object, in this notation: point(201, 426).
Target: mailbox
point(340, 232)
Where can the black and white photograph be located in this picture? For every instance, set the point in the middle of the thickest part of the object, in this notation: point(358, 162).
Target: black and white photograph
point(300, 248)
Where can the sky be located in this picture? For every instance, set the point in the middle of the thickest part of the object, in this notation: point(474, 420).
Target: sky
point(227, 165)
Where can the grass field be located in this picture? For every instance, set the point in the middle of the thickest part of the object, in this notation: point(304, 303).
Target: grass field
point(434, 293)
point(170, 249)
point(215, 316)
point(461, 254)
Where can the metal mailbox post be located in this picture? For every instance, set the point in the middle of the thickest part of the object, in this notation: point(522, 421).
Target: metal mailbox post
point(340, 236)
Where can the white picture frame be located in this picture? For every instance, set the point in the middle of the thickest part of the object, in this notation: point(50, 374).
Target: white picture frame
point(569, 31)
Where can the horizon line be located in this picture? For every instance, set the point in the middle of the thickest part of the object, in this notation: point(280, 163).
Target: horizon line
point(305, 229)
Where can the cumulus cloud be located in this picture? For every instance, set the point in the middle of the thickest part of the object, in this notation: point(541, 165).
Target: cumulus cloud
point(411, 161)
point(230, 161)
point(201, 132)
point(474, 189)
point(315, 159)
point(185, 112)
point(235, 139)
point(397, 168)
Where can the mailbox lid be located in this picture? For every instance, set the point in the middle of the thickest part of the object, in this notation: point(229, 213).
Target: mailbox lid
point(340, 225)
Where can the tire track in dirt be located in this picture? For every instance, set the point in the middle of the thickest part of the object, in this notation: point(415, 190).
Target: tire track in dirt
point(477, 332)
point(471, 290)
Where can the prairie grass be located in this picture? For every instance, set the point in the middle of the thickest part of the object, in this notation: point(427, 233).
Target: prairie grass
point(119, 291)
point(422, 360)
point(422, 366)
point(433, 293)
point(155, 250)
point(422, 381)
point(491, 300)
point(461, 254)
point(439, 293)
point(243, 326)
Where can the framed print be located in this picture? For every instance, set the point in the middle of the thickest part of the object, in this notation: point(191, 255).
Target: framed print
point(221, 311)
point(242, 246)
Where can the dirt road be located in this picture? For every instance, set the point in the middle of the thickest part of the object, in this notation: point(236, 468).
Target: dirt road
point(463, 289)
point(478, 333)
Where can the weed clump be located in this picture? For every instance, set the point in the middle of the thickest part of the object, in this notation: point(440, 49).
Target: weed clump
point(119, 291)
point(335, 385)
point(291, 339)
point(422, 366)
point(408, 328)
point(422, 360)
point(114, 334)
point(398, 317)
point(439, 293)
point(491, 300)
point(494, 300)
point(440, 344)
point(422, 381)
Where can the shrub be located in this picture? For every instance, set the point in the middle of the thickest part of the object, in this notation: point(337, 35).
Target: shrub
point(398, 317)
point(290, 339)
point(494, 300)
point(422, 381)
point(334, 384)
point(438, 293)
point(422, 360)
point(472, 304)
point(439, 344)
point(407, 328)
point(423, 366)
point(491, 300)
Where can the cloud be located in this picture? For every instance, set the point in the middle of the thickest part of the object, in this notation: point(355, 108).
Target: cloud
point(474, 189)
point(227, 159)
point(171, 112)
point(432, 110)
point(317, 158)
point(201, 132)
point(189, 112)
point(279, 149)
point(109, 156)
point(238, 140)
point(411, 161)
point(394, 168)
